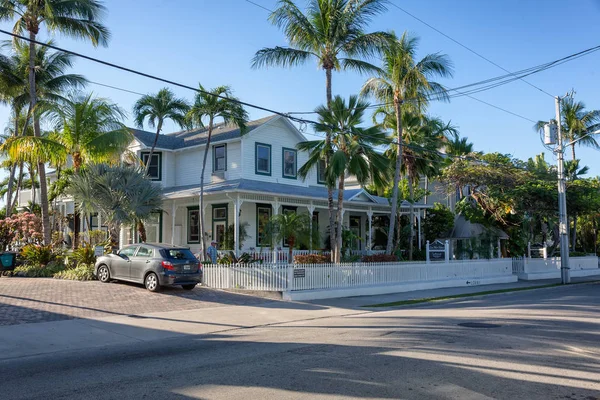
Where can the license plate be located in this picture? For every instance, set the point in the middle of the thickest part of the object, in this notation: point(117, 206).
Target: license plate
point(186, 267)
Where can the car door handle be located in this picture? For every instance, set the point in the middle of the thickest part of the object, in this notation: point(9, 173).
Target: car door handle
point(147, 261)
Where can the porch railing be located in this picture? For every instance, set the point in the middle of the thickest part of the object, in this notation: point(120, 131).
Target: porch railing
point(281, 256)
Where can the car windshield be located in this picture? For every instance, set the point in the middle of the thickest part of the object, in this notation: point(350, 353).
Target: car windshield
point(179, 254)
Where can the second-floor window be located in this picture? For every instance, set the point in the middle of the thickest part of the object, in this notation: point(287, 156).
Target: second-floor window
point(155, 169)
point(321, 172)
point(263, 159)
point(289, 163)
point(220, 158)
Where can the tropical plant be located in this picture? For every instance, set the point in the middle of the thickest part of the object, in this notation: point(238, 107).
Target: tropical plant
point(294, 228)
point(572, 173)
point(77, 18)
point(156, 109)
point(51, 83)
point(578, 124)
point(82, 272)
point(210, 106)
point(352, 149)
point(229, 240)
point(403, 79)
point(35, 254)
point(121, 193)
point(332, 32)
point(439, 220)
point(459, 146)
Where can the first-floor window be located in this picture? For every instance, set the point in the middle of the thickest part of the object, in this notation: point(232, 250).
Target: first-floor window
point(263, 215)
point(154, 228)
point(193, 225)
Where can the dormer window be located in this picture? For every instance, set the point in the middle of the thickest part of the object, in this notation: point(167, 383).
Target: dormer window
point(220, 158)
point(263, 159)
point(155, 168)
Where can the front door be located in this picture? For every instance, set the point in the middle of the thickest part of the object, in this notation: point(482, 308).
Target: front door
point(219, 233)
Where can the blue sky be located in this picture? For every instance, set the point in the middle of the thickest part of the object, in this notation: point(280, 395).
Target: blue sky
point(212, 42)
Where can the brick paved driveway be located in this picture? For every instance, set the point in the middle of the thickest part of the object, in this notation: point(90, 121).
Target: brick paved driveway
point(28, 300)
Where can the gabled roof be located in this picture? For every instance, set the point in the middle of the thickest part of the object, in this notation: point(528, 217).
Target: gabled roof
point(195, 137)
point(318, 192)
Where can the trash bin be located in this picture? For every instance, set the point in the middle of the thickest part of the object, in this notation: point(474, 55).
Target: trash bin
point(8, 261)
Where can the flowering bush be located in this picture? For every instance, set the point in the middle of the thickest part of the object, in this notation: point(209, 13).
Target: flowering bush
point(312, 259)
point(20, 229)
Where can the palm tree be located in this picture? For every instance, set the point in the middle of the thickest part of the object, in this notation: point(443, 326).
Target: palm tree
point(573, 173)
point(76, 18)
point(121, 193)
point(403, 78)
point(422, 138)
point(332, 33)
point(295, 228)
point(86, 129)
point(577, 124)
point(208, 107)
point(459, 146)
point(352, 150)
point(157, 108)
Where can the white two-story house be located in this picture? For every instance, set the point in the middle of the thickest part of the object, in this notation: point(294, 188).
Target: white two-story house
point(248, 179)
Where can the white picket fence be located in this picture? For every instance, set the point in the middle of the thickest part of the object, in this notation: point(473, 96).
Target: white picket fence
point(281, 256)
point(301, 277)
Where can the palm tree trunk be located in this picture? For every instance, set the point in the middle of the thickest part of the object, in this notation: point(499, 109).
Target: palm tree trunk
point(141, 230)
point(291, 243)
point(9, 189)
point(332, 227)
point(19, 185)
point(411, 215)
point(573, 151)
point(37, 133)
point(201, 210)
point(32, 179)
point(390, 241)
point(340, 217)
point(158, 128)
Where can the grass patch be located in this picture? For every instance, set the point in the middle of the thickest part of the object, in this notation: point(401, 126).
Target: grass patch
point(458, 296)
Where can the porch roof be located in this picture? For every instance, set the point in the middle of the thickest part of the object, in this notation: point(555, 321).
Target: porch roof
point(247, 185)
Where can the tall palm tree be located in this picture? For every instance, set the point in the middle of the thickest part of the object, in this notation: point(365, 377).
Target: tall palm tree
point(404, 78)
point(459, 146)
point(210, 106)
point(578, 124)
point(352, 149)
point(332, 32)
point(76, 18)
point(156, 108)
point(422, 138)
point(86, 129)
point(122, 194)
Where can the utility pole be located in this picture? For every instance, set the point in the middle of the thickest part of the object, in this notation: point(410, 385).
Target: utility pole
point(565, 272)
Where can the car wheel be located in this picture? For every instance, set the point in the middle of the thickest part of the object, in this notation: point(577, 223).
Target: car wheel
point(188, 287)
point(151, 282)
point(103, 274)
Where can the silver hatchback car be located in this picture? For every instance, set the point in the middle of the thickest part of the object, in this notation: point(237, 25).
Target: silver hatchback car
point(154, 265)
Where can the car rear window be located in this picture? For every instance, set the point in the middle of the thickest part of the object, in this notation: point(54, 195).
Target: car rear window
point(179, 254)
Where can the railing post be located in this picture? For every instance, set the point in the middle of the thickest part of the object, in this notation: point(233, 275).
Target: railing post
point(427, 260)
point(446, 252)
point(545, 252)
point(290, 277)
point(529, 249)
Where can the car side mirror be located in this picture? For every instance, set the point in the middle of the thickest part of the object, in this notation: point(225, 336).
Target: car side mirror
point(123, 256)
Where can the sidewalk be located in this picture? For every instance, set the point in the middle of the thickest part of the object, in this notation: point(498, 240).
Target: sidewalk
point(27, 340)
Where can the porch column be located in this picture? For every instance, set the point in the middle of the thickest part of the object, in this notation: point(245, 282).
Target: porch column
point(173, 214)
point(275, 212)
point(311, 211)
point(237, 207)
point(123, 236)
point(419, 229)
point(370, 231)
point(500, 249)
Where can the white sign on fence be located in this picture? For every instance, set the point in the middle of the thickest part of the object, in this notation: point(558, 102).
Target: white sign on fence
point(99, 251)
point(436, 251)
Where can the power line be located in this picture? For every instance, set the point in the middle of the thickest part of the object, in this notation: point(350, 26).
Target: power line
point(136, 72)
point(258, 5)
point(468, 48)
point(116, 88)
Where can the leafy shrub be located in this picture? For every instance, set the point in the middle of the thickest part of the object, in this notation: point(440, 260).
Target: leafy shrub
point(19, 229)
point(84, 254)
point(312, 259)
point(230, 258)
point(82, 272)
point(39, 271)
point(378, 258)
point(35, 254)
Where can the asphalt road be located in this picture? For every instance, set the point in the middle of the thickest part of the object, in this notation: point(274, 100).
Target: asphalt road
point(546, 346)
